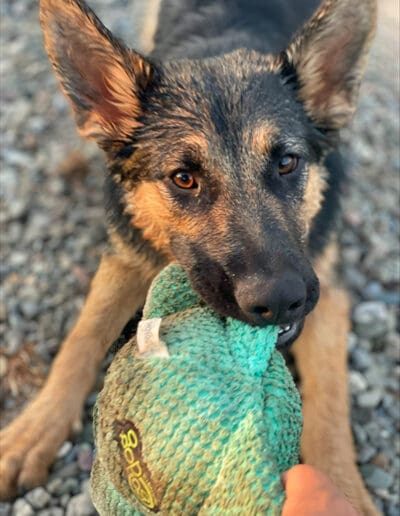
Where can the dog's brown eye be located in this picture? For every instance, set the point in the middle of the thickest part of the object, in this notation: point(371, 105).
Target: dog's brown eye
point(184, 179)
point(288, 163)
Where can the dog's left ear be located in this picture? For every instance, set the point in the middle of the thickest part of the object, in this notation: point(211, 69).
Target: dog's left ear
point(328, 55)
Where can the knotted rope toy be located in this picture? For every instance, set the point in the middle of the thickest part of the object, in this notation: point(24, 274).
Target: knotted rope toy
point(198, 414)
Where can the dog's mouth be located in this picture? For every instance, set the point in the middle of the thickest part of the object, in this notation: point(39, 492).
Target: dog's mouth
point(288, 333)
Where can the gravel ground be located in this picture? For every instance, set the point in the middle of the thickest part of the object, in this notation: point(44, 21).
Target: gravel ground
point(49, 251)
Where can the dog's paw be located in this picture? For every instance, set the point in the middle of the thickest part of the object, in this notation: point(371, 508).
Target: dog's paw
point(29, 445)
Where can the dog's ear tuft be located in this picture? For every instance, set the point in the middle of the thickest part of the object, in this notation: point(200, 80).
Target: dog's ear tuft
point(102, 79)
point(328, 55)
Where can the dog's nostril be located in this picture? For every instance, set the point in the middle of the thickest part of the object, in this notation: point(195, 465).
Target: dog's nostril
point(295, 305)
point(265, 312)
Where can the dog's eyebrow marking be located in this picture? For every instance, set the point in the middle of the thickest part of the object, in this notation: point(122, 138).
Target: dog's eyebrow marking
point(261, 138)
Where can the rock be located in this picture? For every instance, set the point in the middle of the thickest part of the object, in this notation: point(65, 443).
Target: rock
point(80, 505)
point(365, 454)
point(351, 342)
point(360, 434)
point(64, 450)
point(355, 278)
point(29, 309)
point(374, 291)
point(358, 383)
point(381, 460)
point(370, 399)
point(361, 359)
point(38, 498)
point(5, 509)
point(22, 508)
point(70, 486)
point(53, 511)
point(85, 457)
point(18, 209)
point(18, 258)
point(376, 478)
point(85, 486)
point(69, 470)
point(64, 500)
point(54, 486)
point(392, 341)
point(371, 319)
point(16, 158)
point(393, 509)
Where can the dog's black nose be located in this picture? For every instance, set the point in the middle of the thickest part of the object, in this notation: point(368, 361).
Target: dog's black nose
point(276, 300)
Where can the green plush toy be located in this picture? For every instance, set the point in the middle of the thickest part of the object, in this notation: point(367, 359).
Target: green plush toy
point(198, 414)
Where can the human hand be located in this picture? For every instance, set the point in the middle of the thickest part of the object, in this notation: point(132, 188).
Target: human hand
point(309, 493)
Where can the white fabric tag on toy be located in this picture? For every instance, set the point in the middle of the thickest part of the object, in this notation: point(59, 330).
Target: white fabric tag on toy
point(148, 340)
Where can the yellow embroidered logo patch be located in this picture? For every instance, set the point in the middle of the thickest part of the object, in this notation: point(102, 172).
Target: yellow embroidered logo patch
point(136, 472)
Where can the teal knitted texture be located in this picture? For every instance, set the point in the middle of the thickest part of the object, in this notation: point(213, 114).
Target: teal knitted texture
point(206, 430)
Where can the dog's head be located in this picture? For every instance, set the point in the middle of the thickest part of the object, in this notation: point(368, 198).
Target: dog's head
point(220, 160)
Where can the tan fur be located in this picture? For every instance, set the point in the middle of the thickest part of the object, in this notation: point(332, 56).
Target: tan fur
point(321, 359)
point(260, 138)
point(152, 212)
point(314, 194)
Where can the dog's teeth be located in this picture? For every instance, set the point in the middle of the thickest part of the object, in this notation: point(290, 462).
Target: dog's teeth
point(284, 329)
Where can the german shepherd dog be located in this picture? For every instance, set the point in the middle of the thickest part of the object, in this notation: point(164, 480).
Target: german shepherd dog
point(220, 147)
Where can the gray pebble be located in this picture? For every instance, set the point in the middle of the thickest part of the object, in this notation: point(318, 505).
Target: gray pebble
point(91, 400)
point(85, 457)
point(55, 485)
point(85, 486)
point(38, 498)
point(371, 319)
point(64, 500)
point(361, 359)
point(17, 158)
point(3, 311)
point(70, 486)
point(5, 509)
point(80, 505)
point(393, 509)
point(64, 450)
point(29, 309)
point(365, 454)
point(18, 258)
point(355, 278)
point(374, 291)
point(22, 508)
point(370, 398)
point(69, 470)
point(376, 478)
point(17, 209)
point(360, 434)
point(53, 511)
point(351, 341)
point(358, 383)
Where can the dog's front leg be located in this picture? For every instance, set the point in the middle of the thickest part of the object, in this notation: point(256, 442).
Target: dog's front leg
point(321, 360)
point(28, 446)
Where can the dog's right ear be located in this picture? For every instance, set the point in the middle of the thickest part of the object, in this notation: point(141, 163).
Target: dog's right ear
point(103, 80)
point(328, 55)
